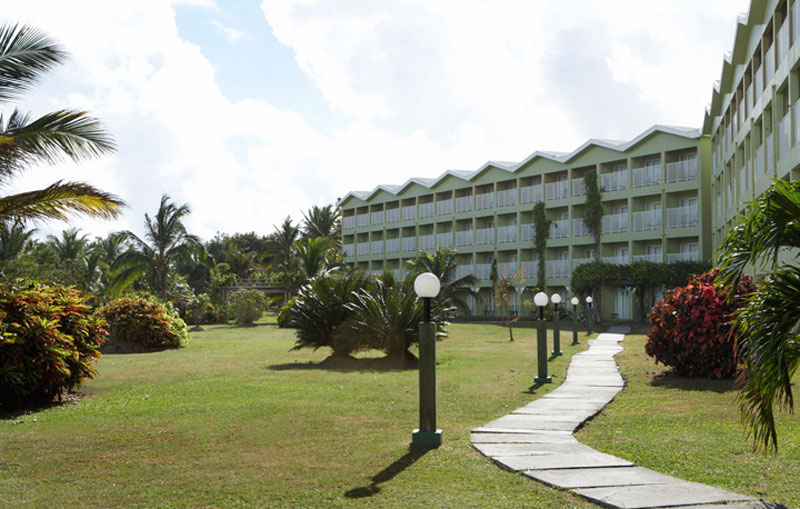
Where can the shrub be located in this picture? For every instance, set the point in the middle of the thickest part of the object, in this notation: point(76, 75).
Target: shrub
point(199, 310)
point(690, 328)
point(48, 341)
point(247, 306)
point(284, 314)
point(145, 322)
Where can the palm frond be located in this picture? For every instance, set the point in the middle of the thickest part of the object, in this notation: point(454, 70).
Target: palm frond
point(60, 201)
point(25, 54)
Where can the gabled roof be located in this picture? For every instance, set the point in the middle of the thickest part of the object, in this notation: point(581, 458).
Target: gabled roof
point(511, 167)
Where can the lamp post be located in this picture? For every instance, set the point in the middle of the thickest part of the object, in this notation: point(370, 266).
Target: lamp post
point(540, 299)
point(589, 315)
point(575, 302)
point(427, 435)
point(556, 300)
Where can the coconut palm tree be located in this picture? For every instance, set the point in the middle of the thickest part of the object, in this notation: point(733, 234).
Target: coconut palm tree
point(282, 242)
point(443, 263)
point(25, 55)
point(314, 255)
point(323, 222)
point(166, 243)
point(14, 237)
point(70, 246)
point(767, 326)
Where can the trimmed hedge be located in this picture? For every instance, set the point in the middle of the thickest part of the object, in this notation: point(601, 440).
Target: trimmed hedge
point(148, 323)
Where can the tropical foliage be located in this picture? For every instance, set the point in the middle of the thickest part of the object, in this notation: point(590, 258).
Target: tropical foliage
point(146, 322)
point(593, 212)
point(247, 306)
point(443, 263)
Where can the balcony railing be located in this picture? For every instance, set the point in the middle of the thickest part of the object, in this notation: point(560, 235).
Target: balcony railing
point(349, 222)
point(464, 238)
point(683, 217)
point(578, 187)
point(615, 223)
point(507, 197)
point(409, 244)
point(444, 239)
point(392, 245)
point(770, 152)
point(507, 269)
point(785, 135)
point(759, 84)
point(579, 228)
point(464, 204)
point(617, 260)
point(426, 242)
point(426, 209)
point(647, 176)
point(614, 181)
point(743, 179)
point(377, 247)
point(652, 257)
point(507, 233)
point(557, 190)
point(444, 207)
point(464, 271)
point(363, 220)
point(557, 268)
point(393, 215)
point(530, 194)
point(680, 171)
point(409, 213)
point(769, 65)
point(647, 220)
point(693, 256)
point(377, 217)
point(749, 95)
point(526, 232)
point(783, 41)
point(484, 201)
point(559, 229)
point(531, 269)
point(577, 262)
point(759, 163)
point(363, 248)
point(483, 271)
point(349, 249)
point(484, 236)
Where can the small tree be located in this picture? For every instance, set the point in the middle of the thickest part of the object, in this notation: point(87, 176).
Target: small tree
point(502, 294)
point(541, 227)
point(593, 213)
point(196, 309)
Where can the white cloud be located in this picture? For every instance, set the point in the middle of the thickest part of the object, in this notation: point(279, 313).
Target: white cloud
point(232, 34)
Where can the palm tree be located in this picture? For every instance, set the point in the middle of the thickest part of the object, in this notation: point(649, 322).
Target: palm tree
point(71, 246)
point(443, 264)
point(323, 222)
point(313, 255)
point(767, 326)
point(25, 55)
point(14, 238)
point(282, 241)
point(167, 243)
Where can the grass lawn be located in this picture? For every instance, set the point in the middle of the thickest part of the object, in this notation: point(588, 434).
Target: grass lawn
point(236, 419)
point(691, 429)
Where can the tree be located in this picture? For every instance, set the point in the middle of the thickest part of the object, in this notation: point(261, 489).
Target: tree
point(323, 222)
point(593, 213)
point(25, 55)
point(502, 293)
point(167, 242)
point(314, 255)
point(443, 263)
point(767, 325)
point(541, 227)
point(282, 243)
point(14, 238)
point(71, 247)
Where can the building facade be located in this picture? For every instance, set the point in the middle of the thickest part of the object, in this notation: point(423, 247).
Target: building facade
point(655, 192)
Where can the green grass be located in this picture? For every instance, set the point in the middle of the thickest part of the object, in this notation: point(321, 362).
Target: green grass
point(236, 419)
point(691, 429)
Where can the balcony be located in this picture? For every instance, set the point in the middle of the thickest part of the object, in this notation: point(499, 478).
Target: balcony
point(426, 209)
point(647, 220)
point(579, 228)
point(557, 268)
point(526, 232)
point(444, 207)
point(759, 163)
point(785, 135)
point(559, 229)
point(463, 271)
point(362, 220)
point(409, 213)
point(749, 95)
point(617, 260)
point(426, 242)
point(377, 218)
point(349, 250)
point(652, 257)
point(377, 247)
point(614, 181)
point(393, 215)
point(692, 256)
point(464, 238)
point(400, 274)
point(577, 262)
point(615, 223)
point(647, 176)
point(507, 269)
point(681, 171)
point(484, 201)
point(531, 194)
point(392, 245)
point(349, 222)
point(557, 190)
point(770, 152)
point(531, 269)
point(759, 85)
point(409, 244)
point(769, 65)
point(683, 217)
point(464, 204)
point(483, 271)
point(363, 248)
point(444, 240)
point(484, 236)
point(578, 187)
point(743, 179)
point(507, 233)
point(507, 197)
point(783, 41)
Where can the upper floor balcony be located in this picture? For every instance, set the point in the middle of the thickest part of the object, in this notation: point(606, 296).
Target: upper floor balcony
point(577, 262)
point(409, 244)
point(530, 194)
point(464, 203)
point(683, 217)
point(426, 209)
point(647, 220)
point(484, 201)
point(393, 215)
point(557, 190)
point(507, 269)
point(425, 242)
point(409, 213)
point(617, 260)
point(362, 248)
point(464, 238)
point(559, 229)
point(377, 217)
point(526, 232)
point(444, 240)
point(578, 187)
point(377, 247)
point(349, 249)
point(507, 197)
point(557, 268)
point(680, 171)
point(392, 245)
point(464, 270)
point(362, 220)
point(614, 181)
point(615, 223)
point(579, 228)
point(484, 236)
point(483, 271)
point(507, 233)
point(647, 176)
point(444, 207)
point(348, 222)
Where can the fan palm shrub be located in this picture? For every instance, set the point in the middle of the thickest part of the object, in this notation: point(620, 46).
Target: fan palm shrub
point(443, 263)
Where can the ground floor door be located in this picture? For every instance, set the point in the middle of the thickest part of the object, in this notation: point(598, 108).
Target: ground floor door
point(622, 304)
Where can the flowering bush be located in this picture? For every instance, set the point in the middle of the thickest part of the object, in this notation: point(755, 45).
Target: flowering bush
point(145, 322)
point(48, 341)
point(247, 306)
point(690, 328)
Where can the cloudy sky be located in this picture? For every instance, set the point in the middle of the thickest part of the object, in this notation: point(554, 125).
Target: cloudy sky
point(251, 111)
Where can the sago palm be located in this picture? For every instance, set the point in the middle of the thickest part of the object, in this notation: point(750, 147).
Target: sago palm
point(25, 55)
point(767, 326)
point(443, 264)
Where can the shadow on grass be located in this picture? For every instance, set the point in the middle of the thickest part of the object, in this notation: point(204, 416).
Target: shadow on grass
point(670, 380)
point(533, 388)
point(387, 474)
point(351, 364)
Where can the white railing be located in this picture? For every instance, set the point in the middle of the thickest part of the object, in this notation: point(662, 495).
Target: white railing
point(615, 223)
point(349, 249)
point(683, 257)
point(392, 245)
point(484, 236)
point(784, 135)
point(557, 190)
point(363, 248)
point(400, 274)
point(409, 212)
point(647, 220)
point(749, 96)
point(426, 209)
point(464, 203)
point(409, 244)
point(783, 41)
point(652, 257)
point(526, 232)
point(770, 152)
point(579, 228)
point(530, 194)
point(743, 179)
point(683, 217)
point(483, 270)
point(557, 268)
point(759, 163)
point(464, 271)
point(578, 187)
point(484, 201)
point(464, 238)
point(377, 247)
point(444, 239)
point(647, 176)
point(377, 217)
point(507, 269)
point(759, 83)
point(507, 233)
point(531, 269)
point(617, 260)
point(349, 222)
point(507, 197)
point(680, 171)
point(426, 241)
point(577, 262)
point(559, 229)
point(614, 181)
point(363, 220)
point(769, 65)
point(392, 215)
point(444, 207)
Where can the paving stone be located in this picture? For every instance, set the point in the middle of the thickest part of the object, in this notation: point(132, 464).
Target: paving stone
point(556, 415)
point(566, 404)
point(583, 393)
point(554, 437)
point(599, 477)
point(556, 460)
point(676, 493)
point(532, 422)
point(596, 381)
point(522, 431)
point(503, 450)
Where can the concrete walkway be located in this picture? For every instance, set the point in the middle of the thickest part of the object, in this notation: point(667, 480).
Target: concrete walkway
point(537, 441)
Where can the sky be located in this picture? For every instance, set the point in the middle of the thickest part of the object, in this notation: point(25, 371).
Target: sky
point(250, 111)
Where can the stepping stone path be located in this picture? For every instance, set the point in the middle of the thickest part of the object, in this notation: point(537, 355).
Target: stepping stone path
point(537, 441)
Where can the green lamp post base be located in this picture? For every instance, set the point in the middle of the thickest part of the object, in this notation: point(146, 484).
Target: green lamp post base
point(575, 342)
point(556, 354)
point(543, 380)
point(426, 438)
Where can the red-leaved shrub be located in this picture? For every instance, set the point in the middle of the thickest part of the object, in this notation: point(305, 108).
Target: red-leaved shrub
point(690, 331)
point(149, 323)
point(48, 341)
